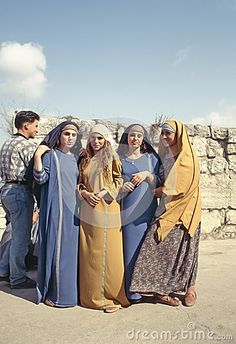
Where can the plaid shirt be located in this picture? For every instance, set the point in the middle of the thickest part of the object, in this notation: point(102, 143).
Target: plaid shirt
point(15, 157)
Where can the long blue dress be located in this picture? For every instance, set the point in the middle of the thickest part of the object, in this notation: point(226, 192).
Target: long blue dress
point(137, 210)
point(58, 230)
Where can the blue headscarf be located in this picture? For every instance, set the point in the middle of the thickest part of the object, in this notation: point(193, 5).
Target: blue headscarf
point(52, 138)
point(52, 141)
point(147, 145)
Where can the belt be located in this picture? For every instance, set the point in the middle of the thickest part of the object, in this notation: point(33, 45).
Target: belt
point(20, 182)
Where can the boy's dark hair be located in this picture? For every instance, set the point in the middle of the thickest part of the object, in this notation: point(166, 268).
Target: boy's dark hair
point(25, 116)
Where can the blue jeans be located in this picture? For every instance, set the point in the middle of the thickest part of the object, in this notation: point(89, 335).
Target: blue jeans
point(17, 201)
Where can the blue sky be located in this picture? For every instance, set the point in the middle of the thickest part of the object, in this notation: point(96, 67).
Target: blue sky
point(121, 59)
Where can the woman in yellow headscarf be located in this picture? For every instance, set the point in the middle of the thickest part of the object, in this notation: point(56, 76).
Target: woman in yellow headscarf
point(101, 249)
point(168, 259)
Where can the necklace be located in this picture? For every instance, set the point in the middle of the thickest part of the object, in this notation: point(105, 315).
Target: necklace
point(134, 156)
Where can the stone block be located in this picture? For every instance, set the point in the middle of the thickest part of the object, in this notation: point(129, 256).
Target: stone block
point(202, 130)
point(213, 148)
point(215, 197)
point(199, 144)
point(190, 129)
point(231, 148)
point(232, 135)
point(203, 165)
point(229, 232)
point(211, 220)
point(232, 195)
point(218, 165)
point(216, 181)
point(218, 133)
point(231, 217)
point(232, 162)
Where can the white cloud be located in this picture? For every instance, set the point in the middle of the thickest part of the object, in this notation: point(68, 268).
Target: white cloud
point(225, 117)
point(22, 70)
point(181, 56)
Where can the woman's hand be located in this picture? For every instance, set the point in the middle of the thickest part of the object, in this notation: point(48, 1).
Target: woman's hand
point(35, 217)
point(38, 157)
point(128, 187)
point(82, 152)
point(90, 198)
point(139, 177)
point(41, 150)
point(158, 192)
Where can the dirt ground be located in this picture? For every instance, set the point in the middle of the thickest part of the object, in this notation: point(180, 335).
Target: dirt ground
point(211, 320)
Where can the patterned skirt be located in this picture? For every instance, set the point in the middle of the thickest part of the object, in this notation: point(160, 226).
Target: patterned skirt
point(166, 266)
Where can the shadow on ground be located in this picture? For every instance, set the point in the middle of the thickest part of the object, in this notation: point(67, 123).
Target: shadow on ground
point(26, 294)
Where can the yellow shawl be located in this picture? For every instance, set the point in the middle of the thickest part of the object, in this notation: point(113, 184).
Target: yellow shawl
point(181, 188)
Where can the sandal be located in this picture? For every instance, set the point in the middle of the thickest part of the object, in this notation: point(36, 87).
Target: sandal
point(166, 300)
point(190, 298)
point(111, 309)
point(49, 303)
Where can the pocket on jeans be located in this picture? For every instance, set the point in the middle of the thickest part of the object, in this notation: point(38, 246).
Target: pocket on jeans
point(10, 202)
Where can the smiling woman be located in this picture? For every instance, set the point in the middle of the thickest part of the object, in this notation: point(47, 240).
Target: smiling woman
point(168, 259)
point(101, 256)
point(140, 170)
point(97, 142)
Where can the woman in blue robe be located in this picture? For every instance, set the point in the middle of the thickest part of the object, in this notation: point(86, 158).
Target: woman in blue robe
point(55, 169)
point(140, 169)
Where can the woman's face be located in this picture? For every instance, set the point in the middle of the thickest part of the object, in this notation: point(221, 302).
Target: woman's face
point(168, 138)
point(68, 138)
point(135, 139)
point(97, 142)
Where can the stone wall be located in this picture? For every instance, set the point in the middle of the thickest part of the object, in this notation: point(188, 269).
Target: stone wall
point(216, 149)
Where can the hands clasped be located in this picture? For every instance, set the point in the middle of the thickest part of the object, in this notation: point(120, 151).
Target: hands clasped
point(137, 179)
point(91, 198)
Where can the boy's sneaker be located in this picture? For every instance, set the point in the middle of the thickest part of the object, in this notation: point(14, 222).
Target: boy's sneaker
point(4, 278)
point(28, 283)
